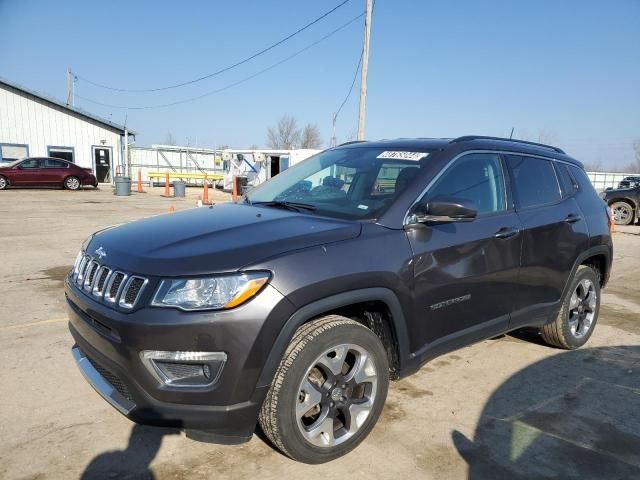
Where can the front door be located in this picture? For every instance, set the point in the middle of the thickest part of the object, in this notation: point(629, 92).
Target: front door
point(28, 172)
point(102, 158)
point(466, 273)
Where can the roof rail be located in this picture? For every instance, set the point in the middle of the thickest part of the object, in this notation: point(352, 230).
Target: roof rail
point(481, 137)
point(349, 143)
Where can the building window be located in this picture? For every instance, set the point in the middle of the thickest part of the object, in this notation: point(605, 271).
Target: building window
point(65, 153)
point(10, 152)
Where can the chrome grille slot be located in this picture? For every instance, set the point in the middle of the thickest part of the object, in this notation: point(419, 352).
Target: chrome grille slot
point(81, 268)
point(114, 287)
point(89, 275)
point(132, 291)
point(101, 280)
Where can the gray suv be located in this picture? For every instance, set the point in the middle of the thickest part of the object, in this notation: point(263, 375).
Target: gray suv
point(294, 307)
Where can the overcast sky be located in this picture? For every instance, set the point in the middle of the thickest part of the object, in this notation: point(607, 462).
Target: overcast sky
point(565, 71)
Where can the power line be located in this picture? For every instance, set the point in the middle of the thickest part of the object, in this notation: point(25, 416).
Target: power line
point(355, 77)
point(226, 87)
point(222, 70)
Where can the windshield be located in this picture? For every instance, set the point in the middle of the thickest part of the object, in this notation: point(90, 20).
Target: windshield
point(11, 163)
point(350, 183)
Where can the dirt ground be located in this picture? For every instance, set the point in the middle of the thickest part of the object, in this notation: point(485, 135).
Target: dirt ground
point(504, 408)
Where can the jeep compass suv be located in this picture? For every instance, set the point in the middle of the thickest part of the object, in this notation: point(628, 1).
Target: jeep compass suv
point(296, 306)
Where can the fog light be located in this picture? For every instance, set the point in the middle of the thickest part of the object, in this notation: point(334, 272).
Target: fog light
point(184, 369)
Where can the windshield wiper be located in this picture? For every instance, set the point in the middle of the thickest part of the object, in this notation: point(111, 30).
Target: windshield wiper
point(295, 206)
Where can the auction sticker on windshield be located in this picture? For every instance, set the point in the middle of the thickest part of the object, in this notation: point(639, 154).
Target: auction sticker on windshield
point(415, 156)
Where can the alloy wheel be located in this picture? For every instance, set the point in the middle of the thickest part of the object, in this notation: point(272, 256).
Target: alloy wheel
point(582, 308)
point(336, 395)
point(73, 183)
point(621, 212)
point(3, 183)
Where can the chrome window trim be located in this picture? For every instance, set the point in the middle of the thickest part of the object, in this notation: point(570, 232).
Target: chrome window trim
point(107, 296)
point(123, 294)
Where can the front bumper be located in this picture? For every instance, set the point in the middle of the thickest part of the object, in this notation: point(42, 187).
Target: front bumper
point(109, 342)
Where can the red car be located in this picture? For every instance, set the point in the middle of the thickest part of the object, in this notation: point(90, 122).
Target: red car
point(49, 172)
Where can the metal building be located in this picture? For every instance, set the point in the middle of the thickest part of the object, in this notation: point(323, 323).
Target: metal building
point(34, 125)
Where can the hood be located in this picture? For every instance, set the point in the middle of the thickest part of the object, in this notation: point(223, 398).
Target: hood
point(223, 238)
point(616, 191)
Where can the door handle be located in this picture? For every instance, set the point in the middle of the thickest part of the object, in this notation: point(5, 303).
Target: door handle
point(572, 218)
point(506, 232)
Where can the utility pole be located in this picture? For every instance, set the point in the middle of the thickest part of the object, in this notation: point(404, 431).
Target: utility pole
point(365, 66)
point(70, 85)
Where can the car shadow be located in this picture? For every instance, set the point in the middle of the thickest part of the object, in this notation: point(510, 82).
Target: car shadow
point(132, 462)
point(573, 415)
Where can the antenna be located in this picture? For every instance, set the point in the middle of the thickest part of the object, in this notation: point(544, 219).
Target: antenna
point(511, 134)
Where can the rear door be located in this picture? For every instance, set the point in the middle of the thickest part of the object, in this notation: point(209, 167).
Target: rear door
point(554, 232)
point(27, 173)
point(465, 273)
point(54, 171)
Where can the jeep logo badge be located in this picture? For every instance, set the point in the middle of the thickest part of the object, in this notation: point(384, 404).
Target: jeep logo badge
point(101, 253)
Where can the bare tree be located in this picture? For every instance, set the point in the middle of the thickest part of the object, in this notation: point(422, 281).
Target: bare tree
point(548, 136)
point(286, 135)
point(223, 147)
point(254, 147)
point(636, 148)
point(311, 136)
point(593, 166)
point(169, 139)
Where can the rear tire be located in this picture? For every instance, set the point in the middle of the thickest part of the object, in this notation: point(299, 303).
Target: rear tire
point(579, 312)
point(328, 391)
point(72, 183)
point(623, 213)
point(4, 183)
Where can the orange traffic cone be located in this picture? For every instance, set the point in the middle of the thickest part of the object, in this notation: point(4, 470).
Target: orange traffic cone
point(167, 192)
point(205, 192)
point(140, 190)
point(234, 189)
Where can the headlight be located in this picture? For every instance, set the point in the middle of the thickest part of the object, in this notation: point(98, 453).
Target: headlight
point(211, 293)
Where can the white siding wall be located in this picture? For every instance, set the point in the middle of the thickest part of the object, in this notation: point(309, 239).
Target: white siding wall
point(27, 120)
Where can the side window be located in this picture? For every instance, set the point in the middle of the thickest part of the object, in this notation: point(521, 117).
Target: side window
point(568, 185)
point(50, 163)
point(477, 177)
point(535, 181)
point(583, 180)
point(31, 163)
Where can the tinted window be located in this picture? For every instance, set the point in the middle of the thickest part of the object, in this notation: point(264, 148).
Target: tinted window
point(567, 184)
point(535, 181)
point(31, 163)
point(581, 177)
point(50, 163)
point(477, 177)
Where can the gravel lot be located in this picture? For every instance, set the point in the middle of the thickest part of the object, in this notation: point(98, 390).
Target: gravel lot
point(504, 408)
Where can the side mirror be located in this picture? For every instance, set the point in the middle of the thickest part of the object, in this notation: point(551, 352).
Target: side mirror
point(445, 210)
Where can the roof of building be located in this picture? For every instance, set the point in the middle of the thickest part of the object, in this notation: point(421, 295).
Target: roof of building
point(64, 106)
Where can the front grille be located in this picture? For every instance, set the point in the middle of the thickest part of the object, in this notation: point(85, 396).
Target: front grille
point(111, 286)
point(113, 380)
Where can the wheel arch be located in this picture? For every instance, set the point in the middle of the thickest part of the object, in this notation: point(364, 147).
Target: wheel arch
point(394, 324)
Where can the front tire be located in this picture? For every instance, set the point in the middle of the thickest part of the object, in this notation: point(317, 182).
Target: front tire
point(328, 391)
point(72, 183)
point(3, 182)
point(579, 312)
point(622, 213)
